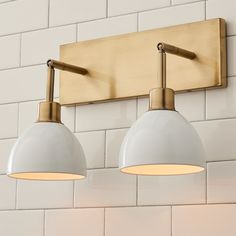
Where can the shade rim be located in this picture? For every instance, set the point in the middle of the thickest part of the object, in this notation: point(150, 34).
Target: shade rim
point(70, 176)
point(200, 169)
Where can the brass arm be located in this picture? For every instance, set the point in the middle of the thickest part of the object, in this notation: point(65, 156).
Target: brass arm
point(50, 111)
point(52, 64)
point(68, 67)
point(164, 47)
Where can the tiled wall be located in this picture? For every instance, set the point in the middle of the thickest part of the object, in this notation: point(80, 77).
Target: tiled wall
point(109, 203)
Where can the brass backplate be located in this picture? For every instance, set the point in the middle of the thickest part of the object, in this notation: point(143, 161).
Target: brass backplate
point(125, 66)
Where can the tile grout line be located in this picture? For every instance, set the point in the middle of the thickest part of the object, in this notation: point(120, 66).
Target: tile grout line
point(206, 184)
point(44, 222)
point(77, 33)
point(104, 223)
point(137, 22)
point(20, 52)
point(205, 13)
point(18, 119)
point(171, 220)
point(205, 105)
point(49, 13)
point(105, 149)
point(16, 189)
point(73, 197)
point(74, 129)
point(121, 206)
point(137, 179)
point(107, 11)
point(74, 132)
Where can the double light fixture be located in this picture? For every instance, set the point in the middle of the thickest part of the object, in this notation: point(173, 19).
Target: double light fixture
point(160, 142)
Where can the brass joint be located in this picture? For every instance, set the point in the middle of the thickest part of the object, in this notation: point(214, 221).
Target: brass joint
point(164, 47)
point(49, 112)
point(162, 99)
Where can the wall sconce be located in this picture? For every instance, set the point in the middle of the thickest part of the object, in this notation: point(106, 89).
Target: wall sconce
point(161, 142)
point(48, 150)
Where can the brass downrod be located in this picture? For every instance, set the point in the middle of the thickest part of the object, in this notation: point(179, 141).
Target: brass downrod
point(50, 84)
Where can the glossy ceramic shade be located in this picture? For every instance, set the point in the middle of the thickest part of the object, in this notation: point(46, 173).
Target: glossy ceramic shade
point(47, 151)
point(161, 142)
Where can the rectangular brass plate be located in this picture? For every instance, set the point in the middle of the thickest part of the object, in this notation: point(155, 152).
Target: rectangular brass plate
point(125, 66)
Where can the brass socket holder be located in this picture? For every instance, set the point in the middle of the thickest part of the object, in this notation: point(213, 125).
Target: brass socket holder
point(49, 112)
point(162, 99)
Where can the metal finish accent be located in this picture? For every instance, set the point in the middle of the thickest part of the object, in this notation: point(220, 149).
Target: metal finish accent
point(162, 99)
point(49, 112)
point(125, 66)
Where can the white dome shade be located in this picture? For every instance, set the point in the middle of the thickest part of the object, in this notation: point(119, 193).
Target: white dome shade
point(47, 151)
point(161, 142)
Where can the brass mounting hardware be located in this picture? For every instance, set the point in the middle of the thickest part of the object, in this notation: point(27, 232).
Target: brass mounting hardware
point(125, 66)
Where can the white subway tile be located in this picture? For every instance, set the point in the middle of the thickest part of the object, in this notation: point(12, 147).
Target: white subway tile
point(211, 220)
point(128, 6)
point(223, 9)
point(107, 187)
point(142, 107)
point(218, 138)
point(114, 140)
point(5, 149)
point(70, 11)
point(172, 16)
point(191, 105)
point(106, 115)
point(44, 194)
point(16, 223)
point(138, 221)
point(24, 15)
point(28, 114)
point(7, 192)
point(22, 84)
point(231, 60)
point(221, 182)
point(10, 51)
point(8, 120)
point(68, 117)
point(163, 190)
point(39, 46)
point(221, 103)
point(93, 144)
point(107, 27)
point(74, 222)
